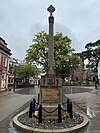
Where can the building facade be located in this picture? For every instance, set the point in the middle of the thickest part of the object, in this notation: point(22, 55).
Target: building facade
point(4, 64)
point(79, 73)
point(13, 63)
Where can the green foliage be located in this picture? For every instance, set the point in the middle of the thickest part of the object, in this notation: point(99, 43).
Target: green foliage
point(25, 71)
point(38, 50)
point(67, 67)
point(63, 52)
point(92, 54)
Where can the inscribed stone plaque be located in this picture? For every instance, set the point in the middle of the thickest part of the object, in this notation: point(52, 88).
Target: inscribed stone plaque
point(50, 95)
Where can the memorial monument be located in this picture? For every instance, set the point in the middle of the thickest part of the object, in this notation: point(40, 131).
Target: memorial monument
point(49, 114)
point(50, 85)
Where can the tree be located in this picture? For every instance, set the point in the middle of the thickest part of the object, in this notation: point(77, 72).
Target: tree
point(92, 54)
point(67, 67)
point(38, 51)
point(25, 71)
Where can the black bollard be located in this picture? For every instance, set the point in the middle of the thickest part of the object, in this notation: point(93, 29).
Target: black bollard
point(38, 98)
point(96, 84)
point(30, 110)
point(68, 105)
point(33, 105)
point(59, 113)
point(40, 114)
point(71, 110)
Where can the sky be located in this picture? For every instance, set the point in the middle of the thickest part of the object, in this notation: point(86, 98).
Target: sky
point(20, 20)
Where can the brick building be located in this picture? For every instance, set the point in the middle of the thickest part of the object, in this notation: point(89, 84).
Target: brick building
point(79, 73)
point(4, 64)
point(13, 63)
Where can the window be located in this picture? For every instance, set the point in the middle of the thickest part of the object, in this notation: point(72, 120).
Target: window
point(3, 76)
point(5, 61)
point(11, 80)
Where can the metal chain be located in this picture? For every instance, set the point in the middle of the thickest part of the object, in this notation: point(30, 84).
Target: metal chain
point(48, 111)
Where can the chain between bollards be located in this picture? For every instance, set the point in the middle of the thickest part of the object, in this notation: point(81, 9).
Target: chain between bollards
point(32, 109)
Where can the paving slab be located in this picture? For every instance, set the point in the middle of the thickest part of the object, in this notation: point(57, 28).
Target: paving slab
point(10, 102)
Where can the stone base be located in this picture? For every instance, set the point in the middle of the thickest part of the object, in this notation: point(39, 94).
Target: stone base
point(49, 99)
point(51, 80)
point(47, 109)
point(46, 115)
point(50, 96)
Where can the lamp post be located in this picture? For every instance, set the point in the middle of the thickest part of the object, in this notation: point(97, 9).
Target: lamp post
point(14, 87)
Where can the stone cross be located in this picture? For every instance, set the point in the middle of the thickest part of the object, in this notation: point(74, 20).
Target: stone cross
point(51, 9)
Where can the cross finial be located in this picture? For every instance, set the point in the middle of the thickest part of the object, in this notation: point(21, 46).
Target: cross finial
point(51, 9)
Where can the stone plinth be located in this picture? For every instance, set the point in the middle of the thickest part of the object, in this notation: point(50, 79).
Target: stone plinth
point(50, 98)
point(51, 80)
point(51, 116)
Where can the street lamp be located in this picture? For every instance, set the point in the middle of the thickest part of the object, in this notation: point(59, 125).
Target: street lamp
point(14, 87)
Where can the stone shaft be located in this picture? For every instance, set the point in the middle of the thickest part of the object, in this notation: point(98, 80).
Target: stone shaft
point(51, 46)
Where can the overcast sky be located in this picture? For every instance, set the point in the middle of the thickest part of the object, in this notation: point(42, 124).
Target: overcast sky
point(21, 19)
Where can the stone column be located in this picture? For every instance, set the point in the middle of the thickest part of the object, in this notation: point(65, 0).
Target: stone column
point(51, 9)
point(50, 79)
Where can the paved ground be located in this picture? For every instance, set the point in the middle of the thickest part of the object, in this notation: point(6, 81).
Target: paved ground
point(10, 102)
point(88, 102)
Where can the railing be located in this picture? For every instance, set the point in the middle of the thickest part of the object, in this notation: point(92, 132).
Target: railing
point(68, 109)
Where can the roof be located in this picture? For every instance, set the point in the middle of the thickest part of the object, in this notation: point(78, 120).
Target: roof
point(3, 46)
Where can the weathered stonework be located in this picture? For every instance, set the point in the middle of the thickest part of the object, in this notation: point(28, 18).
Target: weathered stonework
point(50, 85)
